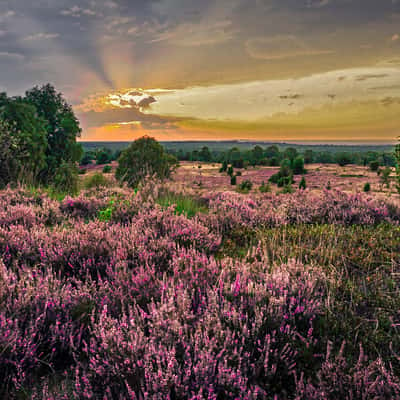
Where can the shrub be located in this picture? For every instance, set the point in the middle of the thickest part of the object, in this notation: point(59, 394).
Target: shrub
point(96, 180)
point(233, 180)
point(224, 167)
point(246, 185)
point(367, 187)
point(302, 184)
point(374, 165)
point(298, 166)
point(107, 169)
point(66, 179)
point(143, 158)
point(265, 187)
point(230, 171)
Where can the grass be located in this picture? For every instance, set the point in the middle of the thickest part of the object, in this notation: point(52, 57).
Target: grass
point(184, 204)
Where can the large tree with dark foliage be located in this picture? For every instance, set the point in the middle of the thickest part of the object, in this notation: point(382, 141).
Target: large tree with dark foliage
point(62, 129)
point(27, 133)
point(144, 157)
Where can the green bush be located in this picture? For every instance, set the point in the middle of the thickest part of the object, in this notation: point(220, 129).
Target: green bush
point(265, 187)
point(107, 169)
point(184, 204)
point(246, 186)
point(367, 187)
point(233, 180)
point(66, 179)
point(96, 180)
point(374, 165)
point(144, 157)
point(298, 166)
point(303, 184)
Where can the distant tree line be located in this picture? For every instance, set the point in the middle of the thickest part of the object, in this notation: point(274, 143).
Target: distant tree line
point(273, 156)
point(38, 133)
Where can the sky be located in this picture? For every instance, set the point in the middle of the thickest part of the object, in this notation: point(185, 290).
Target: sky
point(279, 70)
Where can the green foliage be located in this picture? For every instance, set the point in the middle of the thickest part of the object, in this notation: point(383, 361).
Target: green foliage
point(287, 188)
point(184, 204)
point(367, 187)
point(285, 174)
point(9, 164)
point(303, 184)
point(374, 165)
point(246, 186)
point(82, 171)
point(103, 156)
point(107, 169)
point(298, 166)
point(144, 157)
point(385, 176)
point(233, 180)
point(343, 159)
point(96, 180)
point(265, 187)
point(29, 133)
point(87, 158)
point(66, 179)
point(230, 171)
point(62, 129)
point(106, 214)
point(224, 166)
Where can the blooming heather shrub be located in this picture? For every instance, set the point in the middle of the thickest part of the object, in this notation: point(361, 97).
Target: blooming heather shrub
point(144, 306)
point(82, 207)
point(339, 380)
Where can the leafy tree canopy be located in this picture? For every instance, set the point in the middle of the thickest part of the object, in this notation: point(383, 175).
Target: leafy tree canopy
point(144, 157)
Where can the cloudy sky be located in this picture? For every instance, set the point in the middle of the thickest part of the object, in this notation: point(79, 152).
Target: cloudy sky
point(212, 69)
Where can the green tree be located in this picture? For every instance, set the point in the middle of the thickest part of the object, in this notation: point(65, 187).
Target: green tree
point(290, 153)
point(367, 187)
point(9, 165)
point(374, 165)
point(308, 156)
point(385, 176)
point(144, 157)
point(298, 166)
point(343, 159)
point(257, 154)
point(62, 129)
point(303, 184)
point(29, 132)
point(205, 154)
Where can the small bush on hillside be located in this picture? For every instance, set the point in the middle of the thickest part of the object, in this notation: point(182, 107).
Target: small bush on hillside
point(246, 186)
point(107, 169)
point(265, 187)
point(233, 180)
point(303, 184)
point(96, 180)
point(374, 165)
point(66, 179)
point(367, 187)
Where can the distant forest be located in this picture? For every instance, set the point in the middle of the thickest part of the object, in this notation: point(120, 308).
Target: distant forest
point(241, 154)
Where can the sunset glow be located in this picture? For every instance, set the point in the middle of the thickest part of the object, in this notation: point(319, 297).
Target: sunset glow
point(177, 70)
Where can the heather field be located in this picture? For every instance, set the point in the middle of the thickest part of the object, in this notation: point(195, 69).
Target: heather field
point(192, 290)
